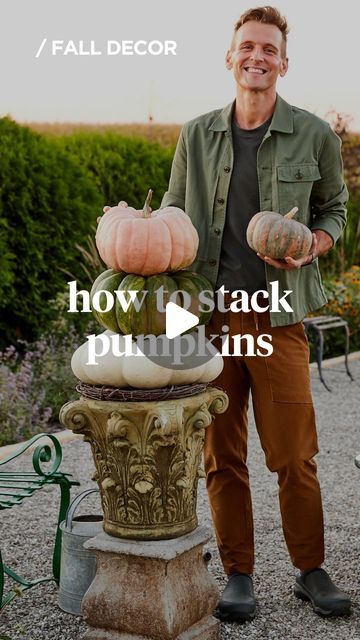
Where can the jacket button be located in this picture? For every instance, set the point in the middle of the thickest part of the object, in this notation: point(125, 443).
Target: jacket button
point(220, 200)
point(217, 231)
point(227, 169)
point(299, 175)
point(212, 262)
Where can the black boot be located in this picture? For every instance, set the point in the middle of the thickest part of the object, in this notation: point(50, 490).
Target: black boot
point(237, 602)
point(325, 597)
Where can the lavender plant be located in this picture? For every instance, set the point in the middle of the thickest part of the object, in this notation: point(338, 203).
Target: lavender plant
point(36, 380)
point(23, 409)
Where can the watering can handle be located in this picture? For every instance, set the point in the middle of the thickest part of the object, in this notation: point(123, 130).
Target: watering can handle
point(74, 505)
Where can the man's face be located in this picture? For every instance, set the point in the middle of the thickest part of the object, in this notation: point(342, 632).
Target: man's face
point(256, 56)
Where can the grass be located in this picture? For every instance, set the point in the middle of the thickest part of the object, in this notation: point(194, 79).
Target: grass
point(165, 134)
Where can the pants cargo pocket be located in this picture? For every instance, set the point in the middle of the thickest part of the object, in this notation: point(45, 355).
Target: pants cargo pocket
point(288, 367)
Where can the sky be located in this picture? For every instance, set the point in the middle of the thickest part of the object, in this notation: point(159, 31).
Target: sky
point(323, 53)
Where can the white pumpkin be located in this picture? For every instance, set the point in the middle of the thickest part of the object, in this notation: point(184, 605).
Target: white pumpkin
point(137, 371)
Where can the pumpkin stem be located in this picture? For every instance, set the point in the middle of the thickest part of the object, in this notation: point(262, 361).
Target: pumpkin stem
point(146, 213)
point(291, 213)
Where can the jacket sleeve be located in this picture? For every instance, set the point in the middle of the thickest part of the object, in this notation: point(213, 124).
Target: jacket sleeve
point(329, 194)
point(175, 195)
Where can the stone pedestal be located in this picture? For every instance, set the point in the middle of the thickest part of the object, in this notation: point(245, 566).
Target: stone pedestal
point(151, 581)
point(147, 457)
point(159, 590)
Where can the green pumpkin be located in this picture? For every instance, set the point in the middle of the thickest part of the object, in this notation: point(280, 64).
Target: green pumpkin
point(148, 320)
point(109, 280)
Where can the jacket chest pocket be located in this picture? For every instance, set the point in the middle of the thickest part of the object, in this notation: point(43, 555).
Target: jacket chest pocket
point(295, 182)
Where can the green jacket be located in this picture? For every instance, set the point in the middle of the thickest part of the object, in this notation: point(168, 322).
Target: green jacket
point(299, 164)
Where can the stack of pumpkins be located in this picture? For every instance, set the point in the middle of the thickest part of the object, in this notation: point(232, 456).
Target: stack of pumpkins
point(145, 251)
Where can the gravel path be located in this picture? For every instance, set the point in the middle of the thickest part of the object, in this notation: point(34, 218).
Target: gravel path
point(27, 532)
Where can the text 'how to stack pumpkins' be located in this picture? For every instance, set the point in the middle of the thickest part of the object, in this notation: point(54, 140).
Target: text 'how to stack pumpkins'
point(276, 236)
point(146, 242)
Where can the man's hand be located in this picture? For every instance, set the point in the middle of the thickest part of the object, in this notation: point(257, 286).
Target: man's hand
point(321, 243)
point(122, 203)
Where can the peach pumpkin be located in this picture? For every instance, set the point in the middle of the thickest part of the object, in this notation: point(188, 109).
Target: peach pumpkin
point(146, 242)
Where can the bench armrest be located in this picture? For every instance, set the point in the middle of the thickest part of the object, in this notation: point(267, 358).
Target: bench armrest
point(42, 453)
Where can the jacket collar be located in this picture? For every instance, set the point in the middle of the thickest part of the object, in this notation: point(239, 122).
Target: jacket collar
point(282, 119)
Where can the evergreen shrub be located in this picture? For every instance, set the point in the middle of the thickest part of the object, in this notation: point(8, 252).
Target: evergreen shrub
point(48, 203)
point(122, 168)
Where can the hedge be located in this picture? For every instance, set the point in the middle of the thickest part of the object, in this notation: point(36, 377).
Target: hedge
point(122, 168)
point(47, 204)
point(51, 192)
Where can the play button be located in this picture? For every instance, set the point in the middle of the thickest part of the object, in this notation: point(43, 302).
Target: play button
point(178, 320)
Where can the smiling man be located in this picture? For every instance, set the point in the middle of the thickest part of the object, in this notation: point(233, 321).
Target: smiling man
point(260, 153)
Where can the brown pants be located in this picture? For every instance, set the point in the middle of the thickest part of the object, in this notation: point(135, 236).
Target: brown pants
point(285, 421)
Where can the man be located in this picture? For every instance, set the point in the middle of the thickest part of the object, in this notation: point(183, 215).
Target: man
point(260, 153)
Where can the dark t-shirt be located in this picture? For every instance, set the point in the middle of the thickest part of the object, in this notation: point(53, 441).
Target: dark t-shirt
point(240, 268)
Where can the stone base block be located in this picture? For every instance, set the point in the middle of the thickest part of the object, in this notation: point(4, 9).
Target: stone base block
point(158, 590)
point(206, 629)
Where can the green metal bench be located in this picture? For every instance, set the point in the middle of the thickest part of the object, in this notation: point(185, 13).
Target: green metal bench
point(16, 486)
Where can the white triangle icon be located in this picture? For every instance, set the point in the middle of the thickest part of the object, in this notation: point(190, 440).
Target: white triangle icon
point(178, 320)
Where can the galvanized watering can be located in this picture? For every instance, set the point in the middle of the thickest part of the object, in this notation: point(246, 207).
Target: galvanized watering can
point(78, 565)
